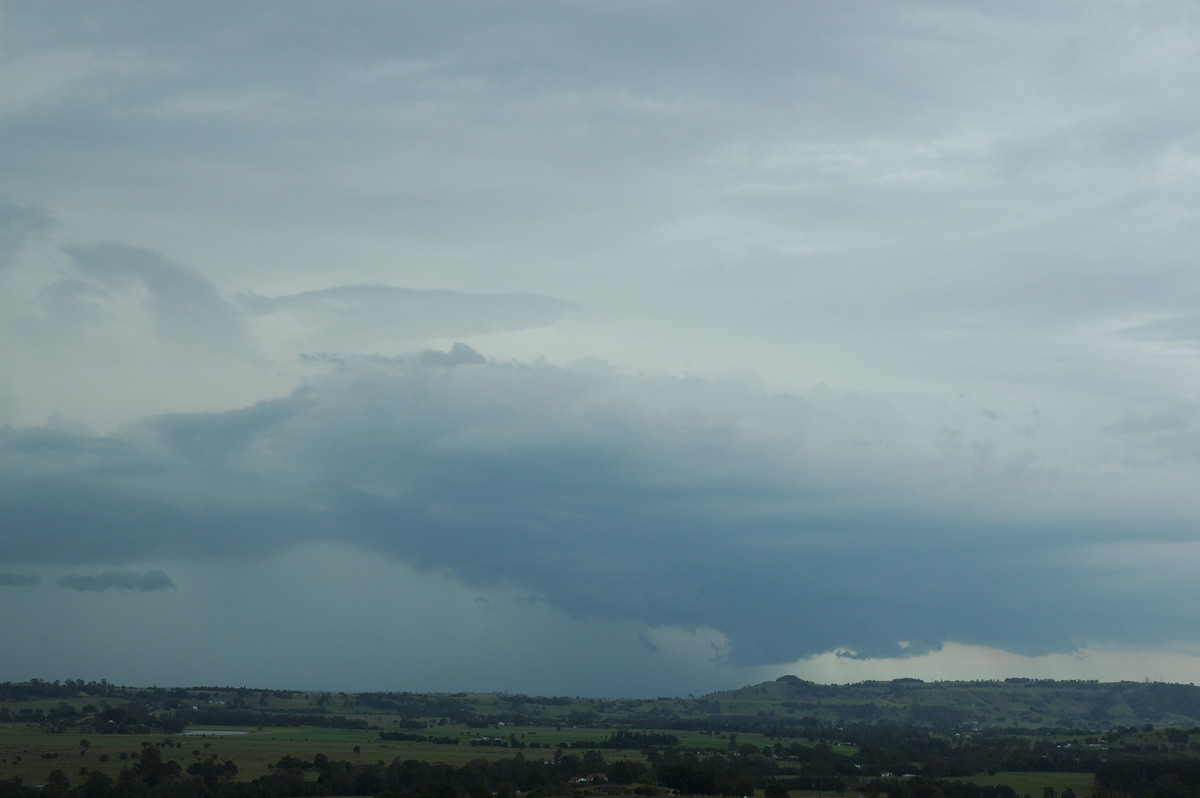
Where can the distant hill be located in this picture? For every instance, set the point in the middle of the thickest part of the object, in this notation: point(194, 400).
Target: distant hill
point(788, 705)
point(1011, 703)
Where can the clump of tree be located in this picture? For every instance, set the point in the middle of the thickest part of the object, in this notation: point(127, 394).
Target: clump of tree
point(242, 717)
point(412, 737)
point(630, 740)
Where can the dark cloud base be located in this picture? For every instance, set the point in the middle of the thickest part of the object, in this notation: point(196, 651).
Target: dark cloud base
point(665, 501)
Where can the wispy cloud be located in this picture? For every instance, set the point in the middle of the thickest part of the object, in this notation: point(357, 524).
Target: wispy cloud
point(140, 581)
point(18, 223)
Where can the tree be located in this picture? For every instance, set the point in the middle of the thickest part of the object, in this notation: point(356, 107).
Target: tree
point(98, 785)
point(152, 769)
point(58, 783)
point(775, 790)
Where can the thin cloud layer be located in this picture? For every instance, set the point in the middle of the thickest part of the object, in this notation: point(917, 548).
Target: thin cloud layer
point(184, 307)
point(140, 581)
point(359, 318)
point(19, 223)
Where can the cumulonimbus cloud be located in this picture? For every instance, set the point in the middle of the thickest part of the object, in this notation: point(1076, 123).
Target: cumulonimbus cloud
point(794, 525)
point(140, 581)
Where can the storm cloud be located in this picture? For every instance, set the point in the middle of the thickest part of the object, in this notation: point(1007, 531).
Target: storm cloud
point(726, 340)
point(666, 501)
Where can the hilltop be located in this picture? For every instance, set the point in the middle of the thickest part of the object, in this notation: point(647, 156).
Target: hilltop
point(1010, 703)
point(785, 702)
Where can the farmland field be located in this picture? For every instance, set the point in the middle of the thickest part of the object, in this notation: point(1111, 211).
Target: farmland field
point(780, 738)
point(33, 754)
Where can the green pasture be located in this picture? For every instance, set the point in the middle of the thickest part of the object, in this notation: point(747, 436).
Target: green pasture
point(1034, 784)
point(23, 751)
point(33, 754)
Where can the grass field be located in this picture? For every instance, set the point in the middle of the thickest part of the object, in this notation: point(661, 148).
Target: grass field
point(1034, 784)
point(33, 754)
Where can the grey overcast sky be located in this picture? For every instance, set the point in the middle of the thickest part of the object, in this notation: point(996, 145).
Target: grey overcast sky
point(605, 348)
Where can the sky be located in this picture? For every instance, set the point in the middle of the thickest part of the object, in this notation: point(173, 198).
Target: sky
point(598, 348)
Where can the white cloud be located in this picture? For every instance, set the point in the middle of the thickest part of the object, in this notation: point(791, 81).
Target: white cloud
point(956, 661)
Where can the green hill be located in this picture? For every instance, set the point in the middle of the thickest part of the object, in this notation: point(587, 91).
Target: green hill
point(1011, 703)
